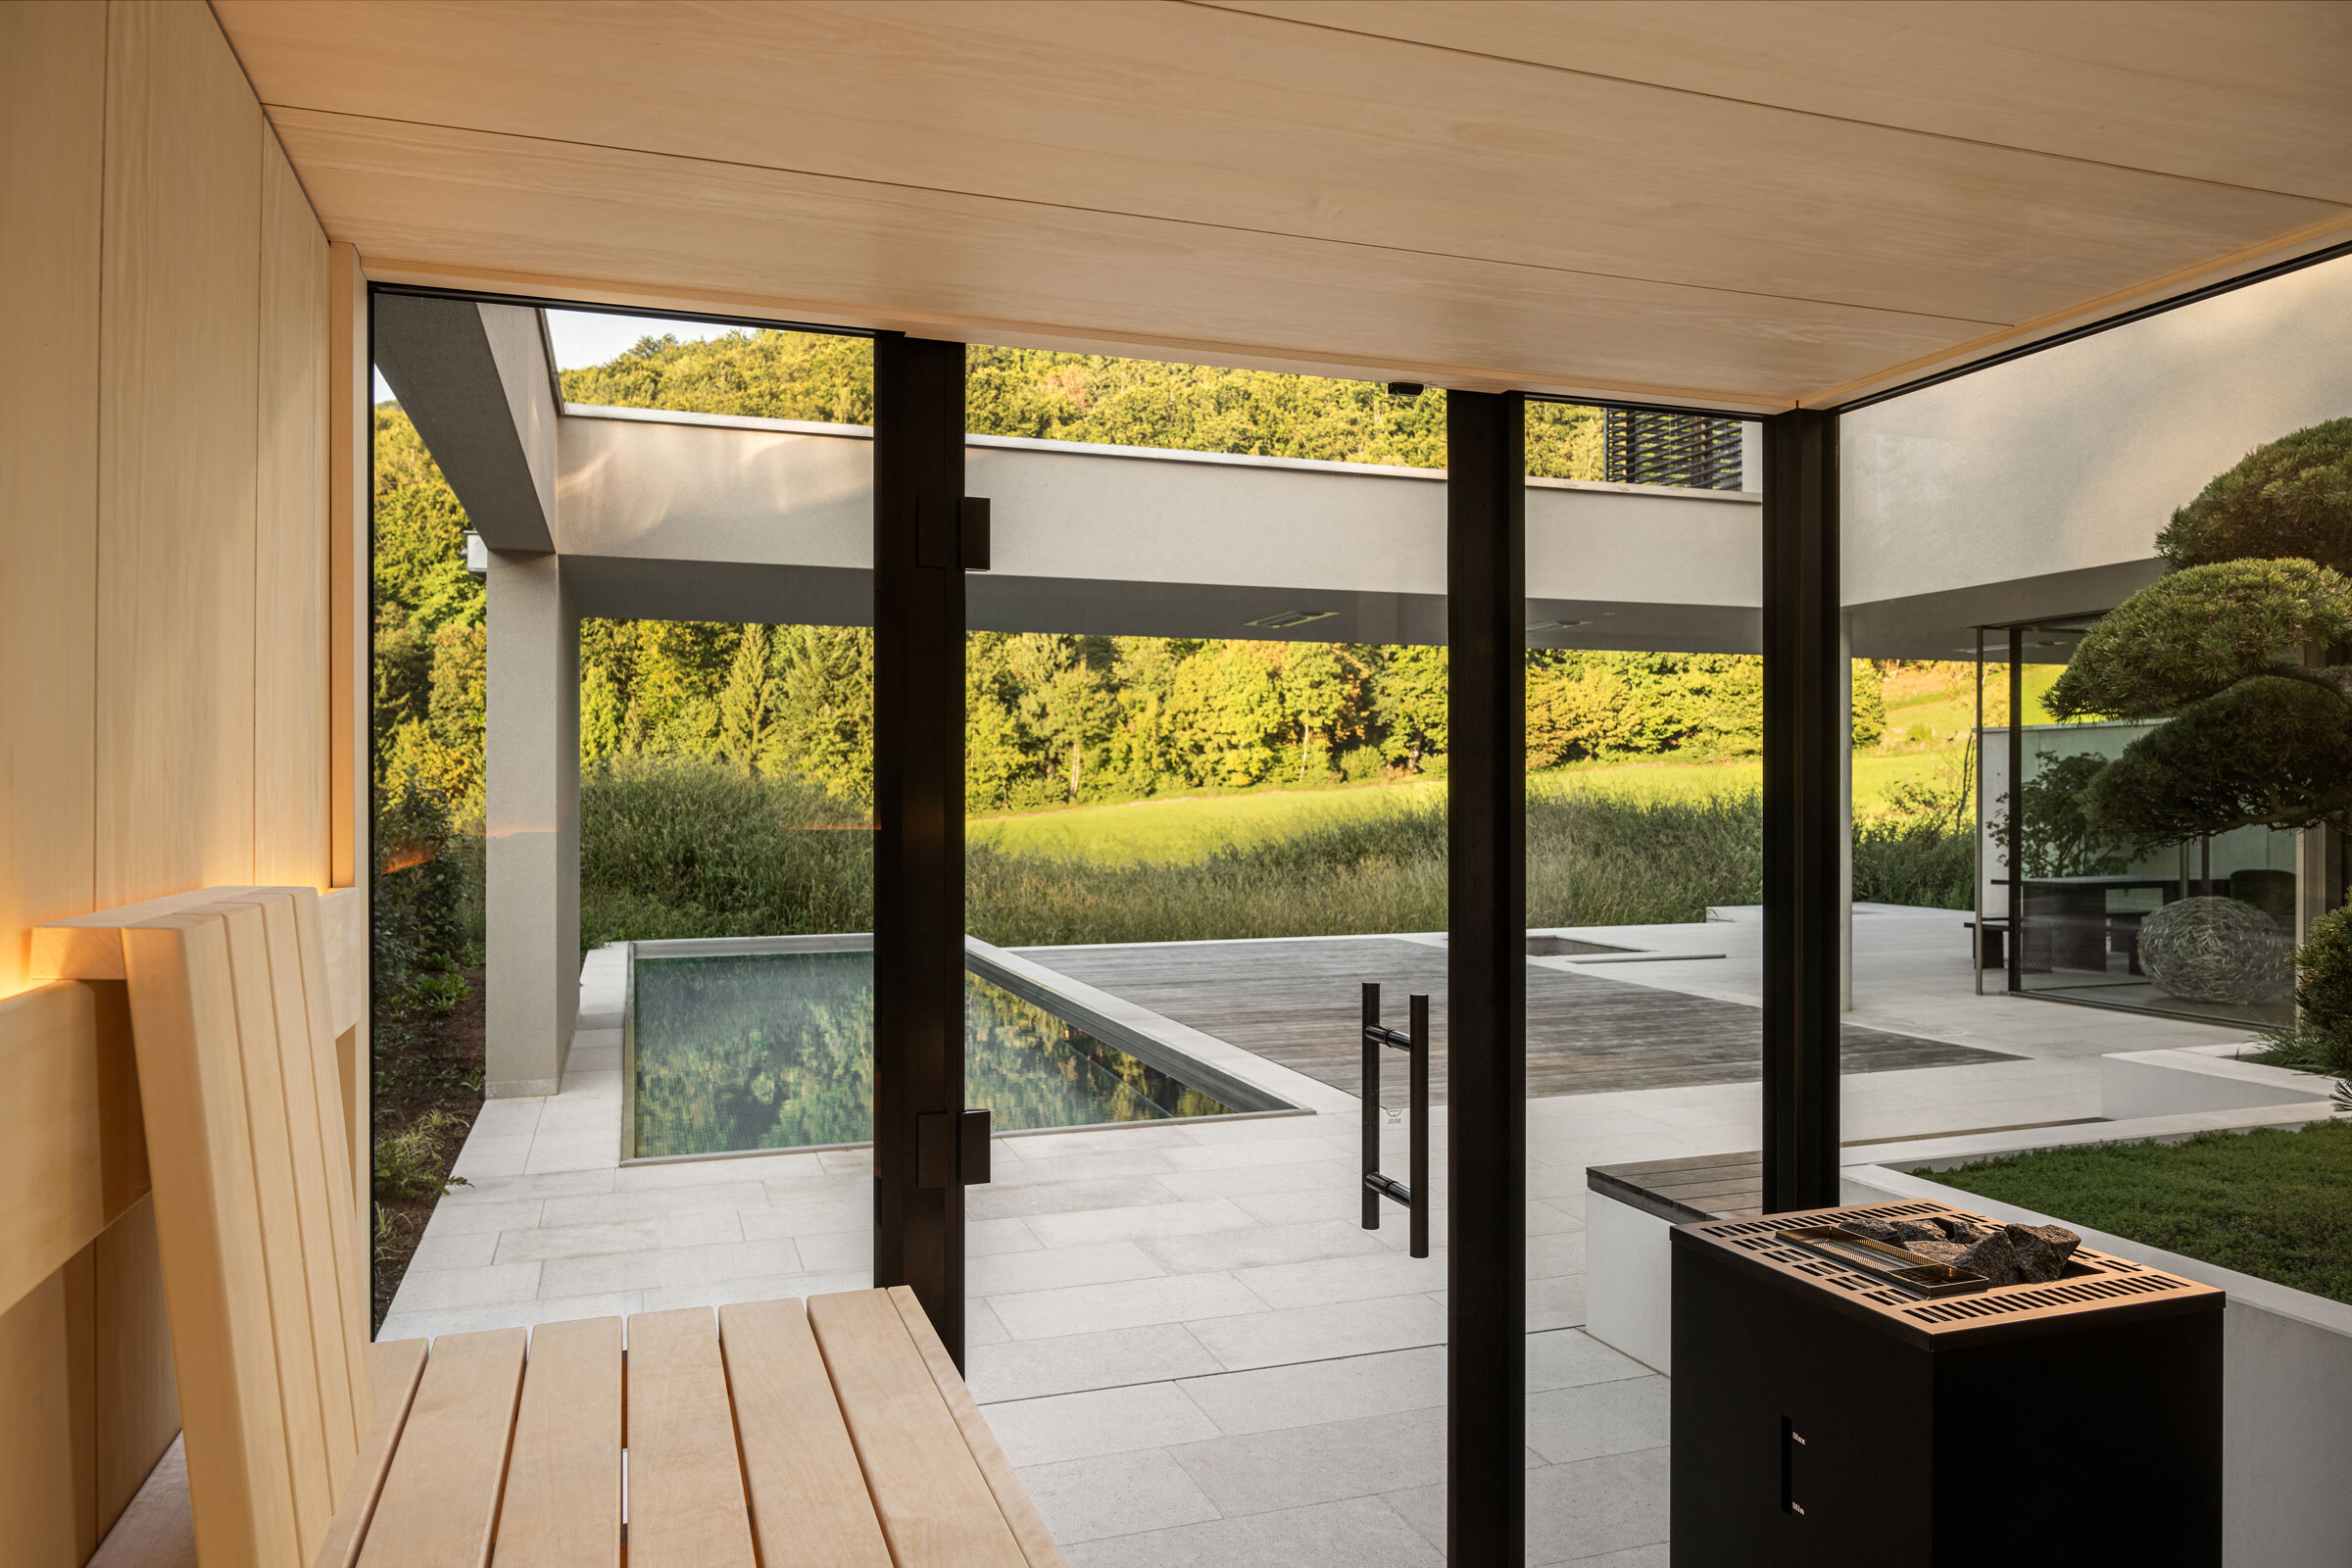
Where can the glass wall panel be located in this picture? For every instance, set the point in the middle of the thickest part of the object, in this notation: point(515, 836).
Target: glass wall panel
point(2199, 924)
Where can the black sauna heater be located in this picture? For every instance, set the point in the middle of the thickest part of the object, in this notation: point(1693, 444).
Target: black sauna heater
point(1839, 1400)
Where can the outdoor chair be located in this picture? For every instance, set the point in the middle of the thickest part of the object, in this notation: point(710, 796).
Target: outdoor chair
point(770, 1433)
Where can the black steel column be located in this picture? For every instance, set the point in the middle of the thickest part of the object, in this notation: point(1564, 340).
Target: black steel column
point(918, 815)
point(1485, 1074)
point(1805, 807)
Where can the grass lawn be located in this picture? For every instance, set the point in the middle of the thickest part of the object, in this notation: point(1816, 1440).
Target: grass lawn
point(2273, 1205)
point(1189, 827)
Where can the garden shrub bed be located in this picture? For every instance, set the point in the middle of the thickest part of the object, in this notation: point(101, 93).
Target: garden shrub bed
point(2272, 1204)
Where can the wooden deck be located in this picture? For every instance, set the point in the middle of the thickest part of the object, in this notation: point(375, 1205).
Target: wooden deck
point(1297, 1003)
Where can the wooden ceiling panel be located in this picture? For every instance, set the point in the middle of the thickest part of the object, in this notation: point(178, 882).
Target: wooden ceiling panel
point(424, 200)
point(2248, 93)
point(1612, 198)
point(1210, 117)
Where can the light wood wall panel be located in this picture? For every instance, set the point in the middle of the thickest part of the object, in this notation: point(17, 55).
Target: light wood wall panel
point(163, 624)
point(51, 125)
point(181, 274)
point(291, 832)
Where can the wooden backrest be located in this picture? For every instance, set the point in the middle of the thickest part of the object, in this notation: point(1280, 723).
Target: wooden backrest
point(255, 1215)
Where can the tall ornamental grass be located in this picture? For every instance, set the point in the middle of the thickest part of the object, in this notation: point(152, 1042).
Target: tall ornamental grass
point(680, 849)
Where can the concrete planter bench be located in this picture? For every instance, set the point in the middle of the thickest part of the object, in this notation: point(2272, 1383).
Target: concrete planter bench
point(2288, 1389)
point(2135, 1084)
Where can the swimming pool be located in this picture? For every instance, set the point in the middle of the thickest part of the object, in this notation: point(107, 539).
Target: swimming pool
point(760, 1044)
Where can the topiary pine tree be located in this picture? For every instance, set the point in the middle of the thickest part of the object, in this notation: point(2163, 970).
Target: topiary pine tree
point(2239, 648)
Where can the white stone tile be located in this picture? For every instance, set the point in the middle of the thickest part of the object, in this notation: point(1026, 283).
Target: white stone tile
point(1561, 1252)
point(1261, 1244)
point(1251, 1180)
point(1311, 1392)
point(486, 1285)
point(1077, 1426)
point(1310, 1203)
point(1061, 1197)
point(1051, 1268)
point(647, 1236)
point(1360, 1532)
point(1570, 1357)
point(1345, 1279)
point(1576, 1512)
point(1128, 1303)
point(667, 1266)
point(1313, 1333)
point(505, 1118)
point(453, 1249)
point(1025, 1369)
point(991, 1237)
point(584, 1150)
point(491, 1157)
point(1135, 1224)
point(1260, 1152)
point(1087, 1165)
point(1300, 1466)
point(847, 1162)
point(666, 1203)
point(814, 1214)
point(1621, 1416)
point(1114, 1495)
point(1125, 1134)
point(755, 1288)
point(981, 1326)
point(718, 1172)
point(832, 1251)
point(512, 1188)
point(455, 1219)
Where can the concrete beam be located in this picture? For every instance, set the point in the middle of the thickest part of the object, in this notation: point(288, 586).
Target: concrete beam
point(684, 516)
point(475, 380)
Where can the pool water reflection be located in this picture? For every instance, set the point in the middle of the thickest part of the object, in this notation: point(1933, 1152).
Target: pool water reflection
point(776, 1050)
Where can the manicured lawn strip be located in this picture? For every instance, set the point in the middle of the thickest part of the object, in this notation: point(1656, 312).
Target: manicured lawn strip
point(2271, 1204)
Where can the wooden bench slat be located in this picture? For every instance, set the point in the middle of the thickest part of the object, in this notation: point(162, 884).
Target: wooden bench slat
point(184, 1008)
point(440, 1502)
point(342, 1376)
point(935, 1509)
point(808, 1497)
point(345, 1138)
point(315, 1117)
point(394, 1368)
point(1012, 1499)
point(686, 1503)
point(563, 1504)
point(274, 1176)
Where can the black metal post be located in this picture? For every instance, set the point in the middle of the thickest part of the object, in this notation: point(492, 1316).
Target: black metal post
point(1371, 1105)
point(1486, 1072)
point(919, 817)
point(2017, 809)
point(1417, 1157)
point(1805, 807)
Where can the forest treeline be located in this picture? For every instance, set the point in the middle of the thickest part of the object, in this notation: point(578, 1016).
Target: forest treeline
point(1052, 719)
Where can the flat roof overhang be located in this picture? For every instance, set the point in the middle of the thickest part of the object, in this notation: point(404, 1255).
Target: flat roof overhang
point(1745, 208)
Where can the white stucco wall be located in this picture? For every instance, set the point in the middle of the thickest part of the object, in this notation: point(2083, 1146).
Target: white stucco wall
point(2075, 457)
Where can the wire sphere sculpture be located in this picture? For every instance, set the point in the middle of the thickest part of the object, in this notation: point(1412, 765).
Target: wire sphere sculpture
point(2217, 949)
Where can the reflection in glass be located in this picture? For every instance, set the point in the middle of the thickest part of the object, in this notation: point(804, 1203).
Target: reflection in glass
point(2081, 906)
point(776, 1050)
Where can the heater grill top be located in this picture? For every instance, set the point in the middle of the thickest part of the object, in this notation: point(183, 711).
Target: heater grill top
point(2095, 1281)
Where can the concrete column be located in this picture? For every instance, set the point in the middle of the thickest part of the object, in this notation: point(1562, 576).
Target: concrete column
point(532, 824)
